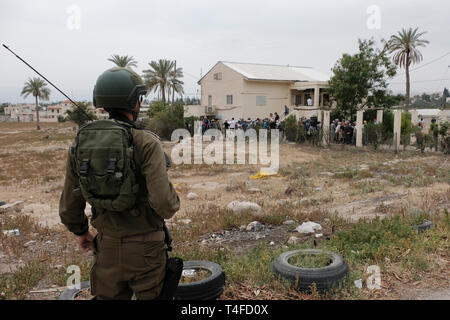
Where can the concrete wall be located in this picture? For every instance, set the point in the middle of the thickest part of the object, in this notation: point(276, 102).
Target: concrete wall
point(194, 111)
point(276, 93)
point(230, 84)
point(244, 94)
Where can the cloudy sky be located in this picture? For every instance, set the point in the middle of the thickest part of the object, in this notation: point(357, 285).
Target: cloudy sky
point(71, 49)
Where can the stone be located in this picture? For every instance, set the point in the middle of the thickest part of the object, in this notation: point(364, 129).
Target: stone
point(293, 240)
point(185, 221)
point(12, 207)
point(288, 222)
point(243, 206)
point(29, 243)
point(305, 201)
point(308, 227)
point(326, 174)
point(254, 226)
point(283, 201)
point(192, 196)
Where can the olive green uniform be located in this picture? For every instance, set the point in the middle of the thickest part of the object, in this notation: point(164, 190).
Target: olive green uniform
point(129, 250)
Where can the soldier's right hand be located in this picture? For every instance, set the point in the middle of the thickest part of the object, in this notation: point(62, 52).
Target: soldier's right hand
point(85, 241)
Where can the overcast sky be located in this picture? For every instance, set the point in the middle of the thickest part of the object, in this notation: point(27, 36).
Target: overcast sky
point(198, 33)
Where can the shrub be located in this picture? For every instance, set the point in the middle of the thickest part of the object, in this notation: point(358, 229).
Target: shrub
point(164, 119)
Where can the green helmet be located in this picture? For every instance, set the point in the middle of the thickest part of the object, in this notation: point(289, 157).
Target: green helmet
point(118, 88)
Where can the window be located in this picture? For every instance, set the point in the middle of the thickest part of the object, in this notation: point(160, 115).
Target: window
point(260, 101)
point(218, 76)
point(229, 99)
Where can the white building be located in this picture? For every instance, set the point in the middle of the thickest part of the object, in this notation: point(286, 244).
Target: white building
point(249, 90)
point(24, 112)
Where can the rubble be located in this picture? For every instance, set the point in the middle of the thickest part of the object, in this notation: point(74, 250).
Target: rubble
point(12, 207)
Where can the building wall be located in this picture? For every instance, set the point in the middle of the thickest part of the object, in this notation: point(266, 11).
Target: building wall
point(230, 84)
point(276, 97)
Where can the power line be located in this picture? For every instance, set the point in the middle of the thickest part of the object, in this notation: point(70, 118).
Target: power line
point(424, 65)
point(421, 81)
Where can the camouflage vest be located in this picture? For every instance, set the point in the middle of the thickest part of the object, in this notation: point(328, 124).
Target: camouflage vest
point(105, 165)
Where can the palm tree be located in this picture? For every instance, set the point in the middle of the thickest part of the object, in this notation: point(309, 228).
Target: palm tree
point(404, 46)
point(158, 77)
point(175, 84)
point(123, 61)
point(38, 88)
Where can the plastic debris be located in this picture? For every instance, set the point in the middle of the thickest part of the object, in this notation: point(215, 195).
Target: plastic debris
point(189, 273)
point(14, 232)
point(263, 174)
point(358, 283)
point(308, 227)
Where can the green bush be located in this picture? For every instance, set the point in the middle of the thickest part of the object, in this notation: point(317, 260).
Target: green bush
point(444, 132)
point(164, 119)
point(406, 129)
point(290, 128)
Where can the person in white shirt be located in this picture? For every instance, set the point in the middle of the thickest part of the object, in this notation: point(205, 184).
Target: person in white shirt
point(232, 124)
point(309, 101)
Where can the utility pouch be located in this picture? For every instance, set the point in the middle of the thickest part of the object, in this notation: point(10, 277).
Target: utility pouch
point(174, 268)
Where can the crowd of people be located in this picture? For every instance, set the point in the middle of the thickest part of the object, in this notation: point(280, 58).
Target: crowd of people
point(271, 122)
point(344, 131)
point(341, 131)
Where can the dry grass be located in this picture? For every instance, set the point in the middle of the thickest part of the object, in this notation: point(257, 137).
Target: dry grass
point(30, 162)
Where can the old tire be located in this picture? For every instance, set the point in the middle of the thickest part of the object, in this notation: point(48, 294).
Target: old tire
point(303, 278)
point(70, 294)
point(424, 226)
point(209, 288)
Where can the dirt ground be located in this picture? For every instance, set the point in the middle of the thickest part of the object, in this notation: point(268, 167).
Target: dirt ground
point(351, 183)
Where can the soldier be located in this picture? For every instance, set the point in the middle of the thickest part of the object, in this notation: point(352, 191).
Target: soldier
point(121, 171)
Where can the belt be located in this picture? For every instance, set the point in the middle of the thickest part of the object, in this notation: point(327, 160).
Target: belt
point(151, 236)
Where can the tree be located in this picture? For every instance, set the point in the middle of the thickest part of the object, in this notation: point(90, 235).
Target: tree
point(404, 46)
point(158, 77)
point(38, 88)
point(446, 94)
point(78, 115)
point(123, 61)
point(2, 107)
point(175, 84)
point(360, 80)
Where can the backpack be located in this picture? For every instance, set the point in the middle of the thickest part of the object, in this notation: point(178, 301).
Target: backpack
point(105, 165)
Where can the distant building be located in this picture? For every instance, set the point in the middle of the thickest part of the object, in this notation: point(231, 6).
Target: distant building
point(24, 112)
point(429, 114)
